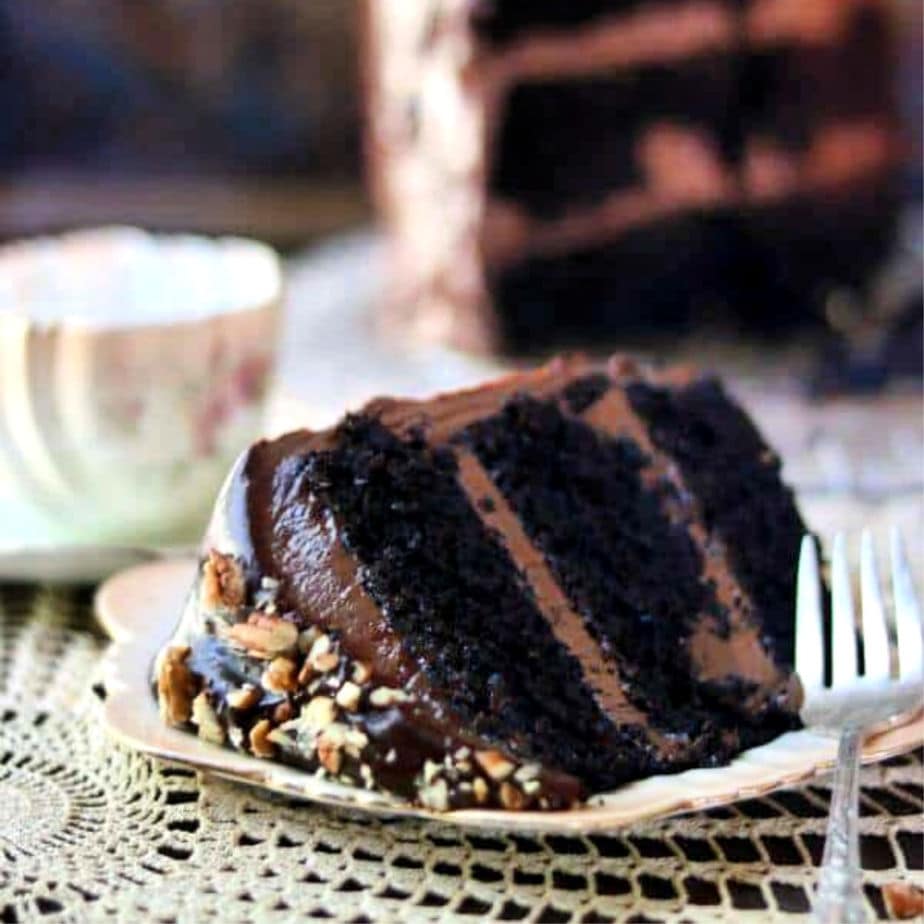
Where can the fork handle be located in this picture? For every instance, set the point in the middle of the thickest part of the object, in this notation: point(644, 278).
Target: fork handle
point(839, 899)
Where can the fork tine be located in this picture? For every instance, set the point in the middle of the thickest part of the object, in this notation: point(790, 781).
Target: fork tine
point(809, 641)
point(843, 617)
point(908, 627)
point(875, 635)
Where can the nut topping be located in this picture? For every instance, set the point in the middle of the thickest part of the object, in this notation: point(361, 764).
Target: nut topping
point(494, 764)
point(259, 739)
point(305, 674)
point(244, 697)
point(283, 712)
point(205, 719)
point(306, 638)
point(176, 685)
point(903, 899)
point(382, 697)
point(511, 797)
point(527, 772)
point(362, 672)
point(265, 636)
point(480, 789)
point(321, 657)
point(435, 796)
point(223, 585)
point(352, 740)
point(348, 696)
point(431, 771)
point(319, 713)
point(280, 675)
point(329, 753)
point(320, 646)
point(325, 663)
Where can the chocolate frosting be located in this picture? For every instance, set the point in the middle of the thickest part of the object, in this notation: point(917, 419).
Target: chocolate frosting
point(269, 522)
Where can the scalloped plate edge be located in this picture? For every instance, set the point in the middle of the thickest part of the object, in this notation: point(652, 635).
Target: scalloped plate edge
point(139, 607)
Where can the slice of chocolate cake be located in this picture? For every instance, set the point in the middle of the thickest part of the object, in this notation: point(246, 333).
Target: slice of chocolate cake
point(513, 596)
point(577, 169)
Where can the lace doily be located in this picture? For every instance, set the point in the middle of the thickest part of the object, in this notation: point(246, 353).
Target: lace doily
point(90, 831)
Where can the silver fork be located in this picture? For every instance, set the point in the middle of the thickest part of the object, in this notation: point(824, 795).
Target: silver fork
point(854, 705)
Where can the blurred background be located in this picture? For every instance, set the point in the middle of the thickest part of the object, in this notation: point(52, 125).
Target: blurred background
point(201, 115)
point(245, 116)
point(217, 115)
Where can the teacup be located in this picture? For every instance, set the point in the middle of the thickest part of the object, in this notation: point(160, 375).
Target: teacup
point(133, 369)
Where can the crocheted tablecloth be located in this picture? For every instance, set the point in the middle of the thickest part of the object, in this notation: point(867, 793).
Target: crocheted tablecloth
point(91, 831)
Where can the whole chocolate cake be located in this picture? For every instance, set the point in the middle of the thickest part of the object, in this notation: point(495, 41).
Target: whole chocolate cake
point(513, 596)
point(571, 169)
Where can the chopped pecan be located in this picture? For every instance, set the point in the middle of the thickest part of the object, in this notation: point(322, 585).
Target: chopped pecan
point(495, 764)
point(481, 790)
point(325, 663)
point(528, 772)
point(306, 638)
point(381, 697)
point(321, 657)
point(280, 675)
point(265, 636)
point(223, 585)
point(283, 712)
point(903, 900)
point(431, 771)
point(319, 713)
point(354, 741)
point(176, 685)
point(329, 753)
point(259, 740)
point(435, 796)
point(362, 673)
point(305, 674)
point(512, 798)
point(204, 718)
point(244, 697)
point(348, 696)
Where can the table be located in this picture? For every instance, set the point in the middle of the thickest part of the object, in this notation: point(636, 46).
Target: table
point(92, 832)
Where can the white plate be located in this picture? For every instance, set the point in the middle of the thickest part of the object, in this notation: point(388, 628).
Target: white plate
point(140, 607)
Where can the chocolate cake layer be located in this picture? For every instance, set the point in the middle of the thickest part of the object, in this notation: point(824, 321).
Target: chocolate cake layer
point(681, 171)
point(736, 481)
point(608, 544)
point(785, 255)
point(515, 147)
point(442, 580)
point(510, 596)
point(570, 143)
point(499, 21)
point(788, 89)
point(659, 276)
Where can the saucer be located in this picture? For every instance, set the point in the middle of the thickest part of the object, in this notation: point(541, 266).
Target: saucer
point(33, 549)
point(139, 609)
